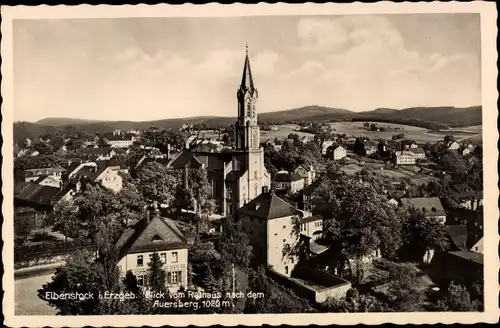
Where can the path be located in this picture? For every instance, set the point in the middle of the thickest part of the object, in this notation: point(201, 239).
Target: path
point(472, 136)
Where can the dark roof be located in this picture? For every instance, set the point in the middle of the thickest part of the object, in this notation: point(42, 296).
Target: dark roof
point(269, 206)
point(234, 175)
point(470, 256)
point(35, 193)
point(158, 235)
point(458, 235)
point(247, 79)
point(287, 177)
point(185, 157)
point(90, 172)
point(96, 151)
point(417, 150)
point(432, 205)
point(312, 218)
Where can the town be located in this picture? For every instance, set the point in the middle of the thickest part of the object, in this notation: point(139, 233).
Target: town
point(309, 215)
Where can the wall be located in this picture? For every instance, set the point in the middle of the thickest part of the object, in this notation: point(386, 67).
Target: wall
point(111, 180)
point(129, 262)
point(280, 233)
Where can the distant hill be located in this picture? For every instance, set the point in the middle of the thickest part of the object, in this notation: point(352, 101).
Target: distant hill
point(58, 121)
point(419, 116)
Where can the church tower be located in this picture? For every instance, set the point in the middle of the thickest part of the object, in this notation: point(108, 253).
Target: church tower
point(247, 128)
point(248, 135)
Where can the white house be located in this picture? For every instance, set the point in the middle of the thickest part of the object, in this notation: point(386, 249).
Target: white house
point(269, 223)
point(283, 180)
point(312, 227)
point(336, 152)
point(137, 244)
point(418, 153)
point(107, 176)
point(453, 145)
point(118, 142)
point(478, 246)
point(308, 174)
point(404, 157)
point(325, 145)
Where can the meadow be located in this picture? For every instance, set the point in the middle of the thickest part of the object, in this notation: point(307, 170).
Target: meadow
point(420, 135)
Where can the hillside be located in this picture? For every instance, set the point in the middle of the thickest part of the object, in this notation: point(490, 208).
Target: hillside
point(419, 116)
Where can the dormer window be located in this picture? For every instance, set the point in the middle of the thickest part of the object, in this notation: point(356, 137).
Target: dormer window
point(157, 238)
point(257, 206)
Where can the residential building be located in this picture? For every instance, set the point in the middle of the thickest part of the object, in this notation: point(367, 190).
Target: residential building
point(418, 153)
point(269, 222)
point(453, 145)
point(404, 157)
point(106, 176)
point(237, 176)
point(336, 152)
point(307, 173)
point(283, 180)
point(137, 244)
point(430, 206)
point(118, 141)
point(477, 246)
point(325, 145)
point(39, 197)
point(32, 175)
point(465, 151)
point(274, 128)
point(304, 140)
point(370, 149)
point(466, 196)
point(311, 227)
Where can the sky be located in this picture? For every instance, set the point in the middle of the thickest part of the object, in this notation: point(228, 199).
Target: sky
point(143, 69)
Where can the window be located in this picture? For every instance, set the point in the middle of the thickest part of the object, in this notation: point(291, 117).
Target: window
point(276, 234)
point(175, 257)
point(284, 227)
point(173, 277)
point(255, 174)
point(286, 270)
point(284, 240)
point(140, 260)
point(140, 280)
point(256, 187)
point(163, 257)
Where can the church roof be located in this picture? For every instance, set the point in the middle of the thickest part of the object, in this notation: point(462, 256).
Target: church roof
point(247, 79)
point(269, 206)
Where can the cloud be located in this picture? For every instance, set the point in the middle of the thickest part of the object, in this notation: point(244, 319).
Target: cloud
point(355, 62)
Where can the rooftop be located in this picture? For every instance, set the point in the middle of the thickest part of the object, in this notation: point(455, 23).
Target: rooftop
point(269, 206)
point(430, 205)
point(470, 256)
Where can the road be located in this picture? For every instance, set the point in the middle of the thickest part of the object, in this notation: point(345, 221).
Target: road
point(26, 296)
point(26, 284)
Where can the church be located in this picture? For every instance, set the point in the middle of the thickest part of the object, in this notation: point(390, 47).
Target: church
point(237, 176)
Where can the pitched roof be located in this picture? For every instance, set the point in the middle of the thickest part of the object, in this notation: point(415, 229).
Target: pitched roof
point(417, 150)
point(269, 206)
point(470, 256)
point(90, 172)
point(35, 193)
point(247, 78)
point(431, 205)
point(158, 235)
point(287, 177)
point(458, 235)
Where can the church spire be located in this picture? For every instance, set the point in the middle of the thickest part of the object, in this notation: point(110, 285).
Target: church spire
point(247, 79)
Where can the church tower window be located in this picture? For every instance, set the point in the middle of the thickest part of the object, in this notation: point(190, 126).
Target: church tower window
point(256, 189)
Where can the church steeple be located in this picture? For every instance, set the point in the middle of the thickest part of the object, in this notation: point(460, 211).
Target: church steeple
point(247, 128)
point(247, 79)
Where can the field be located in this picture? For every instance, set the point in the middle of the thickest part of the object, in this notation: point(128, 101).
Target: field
point(420, 135)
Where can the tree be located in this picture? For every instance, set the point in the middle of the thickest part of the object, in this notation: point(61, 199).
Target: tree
point(156, 274)
point(95, 204)
point(366, 125)
point(423, 234)
point(402, 289)
point(157, 182)
point(235, 248)
point(23, 226)
point(276, 299)
point(373, 127)
point(457, 299)
point(202, 257)
point(355, 302)
point(63, 218)
point(357, 220)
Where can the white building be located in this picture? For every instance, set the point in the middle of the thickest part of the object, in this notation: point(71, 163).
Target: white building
point(105, 176)
point(308, 174)
point(336, 152)
point(404, 158)
point(138, 243)
point(283, 180)
point(312, 227)
point(119, 142)
point(418, 153)
point(325, 145)
point(269, 222)
point(453, 145)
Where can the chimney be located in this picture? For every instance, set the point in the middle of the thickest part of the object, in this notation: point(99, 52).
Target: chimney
point(265, 189)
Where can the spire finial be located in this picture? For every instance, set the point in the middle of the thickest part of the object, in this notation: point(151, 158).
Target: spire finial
point(246, 48)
